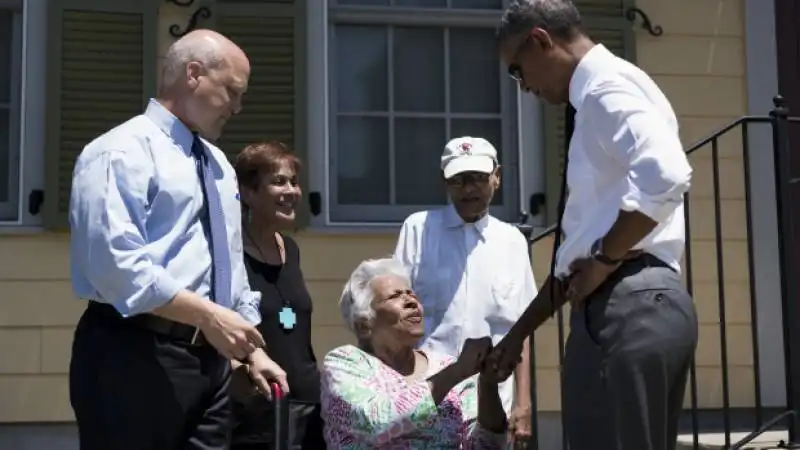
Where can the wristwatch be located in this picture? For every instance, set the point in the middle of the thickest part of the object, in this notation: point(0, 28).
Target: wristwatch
point(597, 253)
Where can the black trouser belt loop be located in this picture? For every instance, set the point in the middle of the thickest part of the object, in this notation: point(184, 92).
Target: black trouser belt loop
point(159, 325)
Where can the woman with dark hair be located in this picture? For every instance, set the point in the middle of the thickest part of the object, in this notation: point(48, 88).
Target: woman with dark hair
point(269, 192)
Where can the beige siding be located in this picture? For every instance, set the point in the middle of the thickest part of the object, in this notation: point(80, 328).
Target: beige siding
point(698, 61)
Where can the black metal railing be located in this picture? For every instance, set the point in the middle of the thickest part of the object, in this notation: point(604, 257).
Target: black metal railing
point(779, 122)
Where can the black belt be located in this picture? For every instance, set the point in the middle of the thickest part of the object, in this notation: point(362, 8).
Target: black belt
point(160, 325)
point(642, 260)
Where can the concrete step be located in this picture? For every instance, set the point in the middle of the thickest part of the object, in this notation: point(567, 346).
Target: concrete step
point(709, 441)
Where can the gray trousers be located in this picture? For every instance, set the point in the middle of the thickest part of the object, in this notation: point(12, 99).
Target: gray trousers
point(627, 360)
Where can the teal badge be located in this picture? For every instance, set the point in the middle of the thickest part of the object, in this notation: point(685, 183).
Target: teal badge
point(287, 318)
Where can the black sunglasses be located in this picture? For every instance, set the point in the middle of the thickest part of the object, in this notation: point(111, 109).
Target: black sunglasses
point(514, 69)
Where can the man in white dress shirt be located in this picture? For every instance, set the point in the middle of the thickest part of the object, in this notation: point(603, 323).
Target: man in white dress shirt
point(471, 272)
point(633, 325)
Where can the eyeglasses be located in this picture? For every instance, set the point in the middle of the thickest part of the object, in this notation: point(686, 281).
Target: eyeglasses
point(514, 69)
point(463, 179)
point(515, 72)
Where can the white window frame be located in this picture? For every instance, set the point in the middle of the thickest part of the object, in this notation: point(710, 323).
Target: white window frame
point(527, 135)
point(32, 106)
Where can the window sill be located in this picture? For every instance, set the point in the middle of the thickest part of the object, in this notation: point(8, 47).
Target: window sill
point(388, 230)
point(15, 229)
point(350, 230)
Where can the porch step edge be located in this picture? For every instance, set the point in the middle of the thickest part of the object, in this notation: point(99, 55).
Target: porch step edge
point(714, 441)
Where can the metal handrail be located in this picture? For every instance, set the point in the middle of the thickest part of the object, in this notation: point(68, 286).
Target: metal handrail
point(778, 119)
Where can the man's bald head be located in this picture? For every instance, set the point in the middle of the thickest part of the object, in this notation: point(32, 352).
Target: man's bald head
point(203, 79)
point(208, 47)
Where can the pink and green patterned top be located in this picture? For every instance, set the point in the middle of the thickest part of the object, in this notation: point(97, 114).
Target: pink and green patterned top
point(368, 405)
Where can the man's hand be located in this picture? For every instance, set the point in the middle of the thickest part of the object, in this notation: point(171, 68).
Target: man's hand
point(264, 370)
point(229, 333)
point(505, 356)
point(472, 356)
point(587, 275)
point(242, 388)
point(519, 425)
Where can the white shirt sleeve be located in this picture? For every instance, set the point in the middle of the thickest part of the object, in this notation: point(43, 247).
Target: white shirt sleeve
point(406, 250)
point(632, 130)
point(522, 265)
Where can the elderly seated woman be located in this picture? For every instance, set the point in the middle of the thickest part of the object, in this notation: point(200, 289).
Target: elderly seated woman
point(387, 393)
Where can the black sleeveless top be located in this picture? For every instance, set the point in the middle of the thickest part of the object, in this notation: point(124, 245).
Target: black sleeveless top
point(280, 286)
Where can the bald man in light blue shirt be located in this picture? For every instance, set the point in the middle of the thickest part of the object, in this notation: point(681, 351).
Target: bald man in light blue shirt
point(156, 248)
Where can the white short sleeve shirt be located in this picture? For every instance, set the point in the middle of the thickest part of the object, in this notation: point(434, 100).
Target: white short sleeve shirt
point(473, 279)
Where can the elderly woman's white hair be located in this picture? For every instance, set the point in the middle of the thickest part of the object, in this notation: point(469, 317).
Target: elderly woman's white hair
point(357, 296)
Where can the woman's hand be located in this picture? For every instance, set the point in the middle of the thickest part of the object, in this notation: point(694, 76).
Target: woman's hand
point(519, 425)
point(264, 370)
point(469, 363)
point(472, 356)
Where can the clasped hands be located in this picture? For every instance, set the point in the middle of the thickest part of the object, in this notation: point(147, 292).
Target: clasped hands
point(474, 356)
point(494, 364)
point(587, 274)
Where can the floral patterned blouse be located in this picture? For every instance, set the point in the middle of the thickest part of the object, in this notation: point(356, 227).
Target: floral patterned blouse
point(368, 405)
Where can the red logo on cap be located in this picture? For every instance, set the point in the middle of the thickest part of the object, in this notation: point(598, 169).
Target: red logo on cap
point(465, 148)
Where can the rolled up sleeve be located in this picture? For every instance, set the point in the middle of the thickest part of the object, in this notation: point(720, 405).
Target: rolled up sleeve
point(107, 217)
point(249, 302)
point(646, 142)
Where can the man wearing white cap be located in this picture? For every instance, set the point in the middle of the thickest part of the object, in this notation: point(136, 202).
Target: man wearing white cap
point(471, 271)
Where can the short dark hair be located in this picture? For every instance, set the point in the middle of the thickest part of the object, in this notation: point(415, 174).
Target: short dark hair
point(560, 18)
point(262, 158)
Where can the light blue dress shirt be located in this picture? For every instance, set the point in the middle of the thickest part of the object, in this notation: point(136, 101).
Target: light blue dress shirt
point(136, 235)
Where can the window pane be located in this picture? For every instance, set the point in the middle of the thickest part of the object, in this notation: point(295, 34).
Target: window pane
point(5, 155)
point(362, 159)
point(491, 130)
point(474, 71)
point(421, 3)
point(361, 68)
point(478, 4)
point(6, 40)
point(363, 2)
point(418, 86)
point(418, 146)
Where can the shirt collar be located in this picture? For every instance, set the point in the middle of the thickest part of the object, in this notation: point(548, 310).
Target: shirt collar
point(170, 125)
point(587, 68)
point(453, 220)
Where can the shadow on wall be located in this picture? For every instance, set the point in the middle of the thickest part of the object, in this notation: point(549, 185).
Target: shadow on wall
point(39, 437)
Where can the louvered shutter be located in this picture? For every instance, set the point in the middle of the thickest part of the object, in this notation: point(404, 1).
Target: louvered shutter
point(605, 22)
point(101, 71)
point(268, 32)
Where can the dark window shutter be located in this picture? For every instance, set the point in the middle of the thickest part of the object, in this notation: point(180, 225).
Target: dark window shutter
point(270, 33)
point(101, 71)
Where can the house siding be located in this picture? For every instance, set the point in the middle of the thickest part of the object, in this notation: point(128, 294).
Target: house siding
point(698, 61)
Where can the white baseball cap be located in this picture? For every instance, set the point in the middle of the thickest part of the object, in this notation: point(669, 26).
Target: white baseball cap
point(468, 154)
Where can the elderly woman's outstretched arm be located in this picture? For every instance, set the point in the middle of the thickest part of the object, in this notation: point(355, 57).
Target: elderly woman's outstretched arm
point(364, 404)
